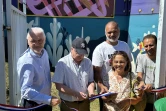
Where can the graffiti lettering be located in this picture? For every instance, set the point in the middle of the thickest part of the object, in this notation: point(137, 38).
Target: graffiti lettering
point(83, 8)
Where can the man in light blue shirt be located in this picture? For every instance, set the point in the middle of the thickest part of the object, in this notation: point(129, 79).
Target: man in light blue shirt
point(34, 72)
point(74, 78)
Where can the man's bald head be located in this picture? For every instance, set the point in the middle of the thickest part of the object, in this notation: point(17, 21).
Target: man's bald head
point(110, 24)
point(36, 31)
point(112, 32)
point(36, 39)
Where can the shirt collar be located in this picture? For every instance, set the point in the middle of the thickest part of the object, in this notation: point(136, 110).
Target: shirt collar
point(36, 55)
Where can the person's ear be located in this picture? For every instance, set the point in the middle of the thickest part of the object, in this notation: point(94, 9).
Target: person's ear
point(72, 49)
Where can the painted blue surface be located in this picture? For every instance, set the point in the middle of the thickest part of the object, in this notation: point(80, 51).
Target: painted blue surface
point(15, 3)
point(133, 27)
point(146, 6)
point(122, 7)
point(139, 26)
point(92, 27)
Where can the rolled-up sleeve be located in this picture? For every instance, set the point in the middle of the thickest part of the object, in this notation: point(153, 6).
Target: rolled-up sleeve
point(26, 73)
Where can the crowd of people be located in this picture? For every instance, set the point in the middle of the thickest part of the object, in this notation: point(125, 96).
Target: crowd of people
point(76, 76)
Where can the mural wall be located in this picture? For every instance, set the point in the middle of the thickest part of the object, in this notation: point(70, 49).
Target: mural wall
point(143, 21)
point(61, 31)
point(136, 19)
point(70, 8)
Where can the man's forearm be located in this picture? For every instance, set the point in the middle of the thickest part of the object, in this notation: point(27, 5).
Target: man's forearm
point(140, 76)
point(97, 77)
point(33, 95)
point(91, 88)
point(139, 79)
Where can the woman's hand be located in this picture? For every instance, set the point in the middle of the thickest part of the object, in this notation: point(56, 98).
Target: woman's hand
point(124, 103)
point(141, 85)
point(103, 89)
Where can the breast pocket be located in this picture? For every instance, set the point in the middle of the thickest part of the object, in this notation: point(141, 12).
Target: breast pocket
point(39, 74)
point(85, 77)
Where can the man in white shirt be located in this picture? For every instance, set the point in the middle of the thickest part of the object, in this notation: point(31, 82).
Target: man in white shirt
point(145, 68)
point(102, 55)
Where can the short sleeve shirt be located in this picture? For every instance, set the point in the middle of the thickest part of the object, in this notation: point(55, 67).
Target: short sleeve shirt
point(74, 76)
point(147, 66)
point(123, 89)
point(101, 55)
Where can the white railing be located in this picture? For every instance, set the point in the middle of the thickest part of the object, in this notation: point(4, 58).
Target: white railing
point(16, 46)
point(160, 76)
point(2, 59)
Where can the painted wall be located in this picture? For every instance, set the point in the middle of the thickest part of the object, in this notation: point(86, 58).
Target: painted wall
point(143, 20)
point(139, 26)
point(136, 19)
point(61, 31)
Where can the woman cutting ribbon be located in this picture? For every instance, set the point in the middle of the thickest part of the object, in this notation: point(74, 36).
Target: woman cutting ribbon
point(120, 81)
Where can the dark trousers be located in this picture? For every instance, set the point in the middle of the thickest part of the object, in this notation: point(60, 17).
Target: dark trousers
point(149, 107)
point(101, 104)
point(75, 105)
point(29, 104)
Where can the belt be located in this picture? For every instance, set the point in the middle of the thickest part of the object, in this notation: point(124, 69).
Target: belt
point(30, 102)
point(78, 102)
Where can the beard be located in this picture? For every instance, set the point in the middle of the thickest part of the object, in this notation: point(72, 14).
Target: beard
point(112, 40)
point(37, 50)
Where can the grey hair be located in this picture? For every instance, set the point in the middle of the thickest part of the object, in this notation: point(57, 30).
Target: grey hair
point(36, 30)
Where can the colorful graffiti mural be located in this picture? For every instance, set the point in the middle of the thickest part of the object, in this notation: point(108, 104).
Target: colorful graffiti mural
point(74, 8)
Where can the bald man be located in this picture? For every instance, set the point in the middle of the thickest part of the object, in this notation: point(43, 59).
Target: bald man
point(34, 72)
point(102, 55)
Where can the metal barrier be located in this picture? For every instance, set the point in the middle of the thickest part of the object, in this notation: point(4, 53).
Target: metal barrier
point(2, 59)
point(16, 35)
